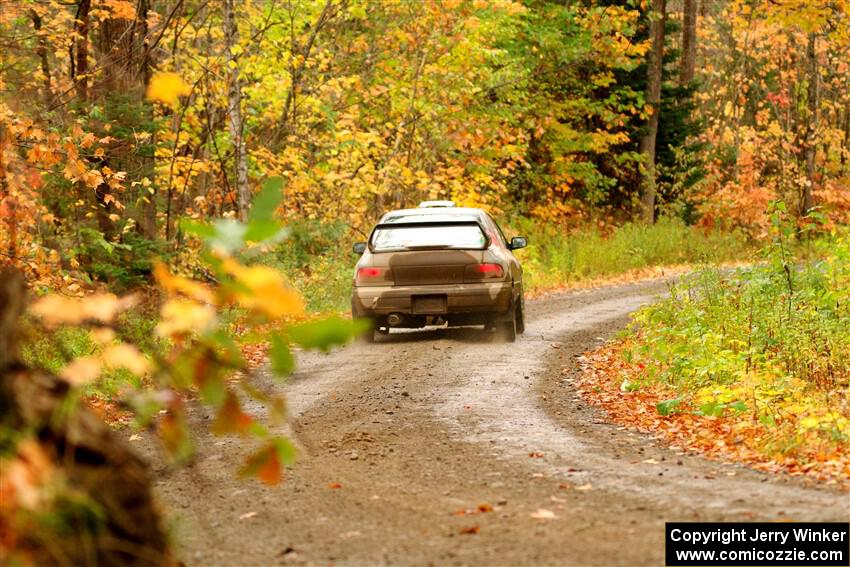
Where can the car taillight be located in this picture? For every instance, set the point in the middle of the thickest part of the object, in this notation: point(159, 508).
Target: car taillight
point(477, 272)
point(372, 275)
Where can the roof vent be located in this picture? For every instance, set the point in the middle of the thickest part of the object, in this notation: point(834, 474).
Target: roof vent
point(436, 204)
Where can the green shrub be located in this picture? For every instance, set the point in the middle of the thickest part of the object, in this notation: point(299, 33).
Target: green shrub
point(123, 265)
point(771, 340)
point(319, 263)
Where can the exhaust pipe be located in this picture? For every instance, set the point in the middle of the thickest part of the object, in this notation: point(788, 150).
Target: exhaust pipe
point(394, 319)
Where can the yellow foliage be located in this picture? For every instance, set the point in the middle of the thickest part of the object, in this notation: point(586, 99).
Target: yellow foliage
point(177, 284)
point(55, 310)
point(167, 88)
point(126, 356)
point(182, 317)
point(83, 370)
point(265, 291)
point(87, 369)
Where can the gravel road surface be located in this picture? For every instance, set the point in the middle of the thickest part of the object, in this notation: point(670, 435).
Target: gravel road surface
point(420, 430)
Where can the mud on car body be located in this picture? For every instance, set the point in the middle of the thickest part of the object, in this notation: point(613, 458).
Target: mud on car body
point(439, 264)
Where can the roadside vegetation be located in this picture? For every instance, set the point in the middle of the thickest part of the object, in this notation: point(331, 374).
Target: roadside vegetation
point(760, 356)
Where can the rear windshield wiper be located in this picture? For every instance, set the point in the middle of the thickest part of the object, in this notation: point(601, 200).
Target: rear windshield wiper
point(427, 247)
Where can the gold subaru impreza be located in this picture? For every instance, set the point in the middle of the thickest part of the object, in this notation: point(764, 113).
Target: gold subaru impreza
point(439, 265)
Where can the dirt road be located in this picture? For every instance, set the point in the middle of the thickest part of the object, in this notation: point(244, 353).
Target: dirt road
point(422, 425)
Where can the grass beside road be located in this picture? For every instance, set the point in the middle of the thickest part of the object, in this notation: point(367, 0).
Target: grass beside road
point(560, 257)
point(760, 358)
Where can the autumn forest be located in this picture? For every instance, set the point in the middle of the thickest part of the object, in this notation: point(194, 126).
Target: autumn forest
point(181, 182)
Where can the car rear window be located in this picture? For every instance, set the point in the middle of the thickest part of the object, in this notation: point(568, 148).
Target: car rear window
point(466, 236)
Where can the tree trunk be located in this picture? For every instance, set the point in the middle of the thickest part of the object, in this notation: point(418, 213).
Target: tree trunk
point(81, 68)
point(234, 112)
point(295, 72)
point(8, 207)
point(147, 220)
point(41, 51)
point(689, 43)
point(845, 150)
point(64, 442)
point(654, 66)
point(811, 126)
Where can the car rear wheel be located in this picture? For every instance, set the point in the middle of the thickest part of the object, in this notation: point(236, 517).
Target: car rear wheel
point(509, 328)
point(520, 317)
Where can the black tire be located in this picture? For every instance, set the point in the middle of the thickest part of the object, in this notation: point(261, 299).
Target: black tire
point(520, 316)
point(509, 328)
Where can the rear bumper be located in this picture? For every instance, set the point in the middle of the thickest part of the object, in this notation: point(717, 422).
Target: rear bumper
point(378, 302)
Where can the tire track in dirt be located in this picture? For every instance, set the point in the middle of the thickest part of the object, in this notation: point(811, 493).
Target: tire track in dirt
point(494, 405)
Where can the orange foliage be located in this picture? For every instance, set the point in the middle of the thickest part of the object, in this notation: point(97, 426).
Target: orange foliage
point(720, 438)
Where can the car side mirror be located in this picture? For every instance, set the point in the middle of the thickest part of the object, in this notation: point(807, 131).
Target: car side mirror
point(359, 247)
point(518, 242)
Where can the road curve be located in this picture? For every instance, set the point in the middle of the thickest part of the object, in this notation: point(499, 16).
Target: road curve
point(422, 428)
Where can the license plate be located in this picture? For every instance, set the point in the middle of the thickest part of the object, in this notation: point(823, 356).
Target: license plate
point(429, 304)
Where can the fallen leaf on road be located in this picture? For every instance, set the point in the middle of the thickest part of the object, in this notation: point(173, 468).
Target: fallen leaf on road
point(536, 455)
point(565, 486)
point(247, 515)
point(334, 485)
point(543, 514)
point(481, 509)
point(471, 530)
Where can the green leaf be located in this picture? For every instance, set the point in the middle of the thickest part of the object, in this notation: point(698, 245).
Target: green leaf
point(229, 235)
point(200, 229)
point(326, 333)
point(229, 350)
point(767, 420)
point(266, 201)
point(281, 358)
point(261, 231)
point(711, 409)
point(286, 451)
point(668, 406)
point(213, 390)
